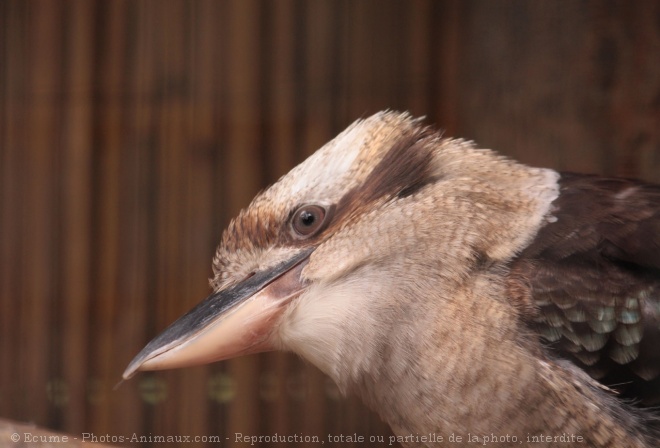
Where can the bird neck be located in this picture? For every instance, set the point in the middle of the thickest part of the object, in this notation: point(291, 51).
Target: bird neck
point(430, 380)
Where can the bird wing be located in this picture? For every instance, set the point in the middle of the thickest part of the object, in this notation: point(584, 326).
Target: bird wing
point(592, 276)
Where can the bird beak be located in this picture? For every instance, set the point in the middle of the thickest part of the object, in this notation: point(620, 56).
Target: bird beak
point(235, 321)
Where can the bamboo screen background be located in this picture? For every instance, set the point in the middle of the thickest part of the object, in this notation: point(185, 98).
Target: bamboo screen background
point(132, 131)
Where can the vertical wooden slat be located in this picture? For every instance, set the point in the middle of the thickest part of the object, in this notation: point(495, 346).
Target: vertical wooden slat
point(444, 58)
point(360, 60)
point(319, 31)
point(109, 133)
point(13, 147)
point(417, 61)
point(281, 89)
point(343, 42)
point(388, 33)
point(77, 202)
point(39, 213)
point(6, 224)
point(135, 289)
point(630, 83)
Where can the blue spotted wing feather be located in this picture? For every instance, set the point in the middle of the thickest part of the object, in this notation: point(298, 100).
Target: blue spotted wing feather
point(592, 275)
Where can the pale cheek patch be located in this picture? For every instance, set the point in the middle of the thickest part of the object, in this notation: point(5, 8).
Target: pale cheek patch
point(325, 320)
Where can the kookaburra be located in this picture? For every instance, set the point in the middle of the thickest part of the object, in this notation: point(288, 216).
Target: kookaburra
point(454, 290)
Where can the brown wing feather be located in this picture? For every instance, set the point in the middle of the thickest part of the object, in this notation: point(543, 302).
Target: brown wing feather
point(593, 277)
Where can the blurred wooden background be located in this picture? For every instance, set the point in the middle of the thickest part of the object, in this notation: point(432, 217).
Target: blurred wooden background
point(132, 131)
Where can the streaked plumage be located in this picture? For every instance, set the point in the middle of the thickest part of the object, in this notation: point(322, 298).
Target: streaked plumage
point(454, 290)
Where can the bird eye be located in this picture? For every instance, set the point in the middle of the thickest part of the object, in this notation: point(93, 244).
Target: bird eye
point(307, 220)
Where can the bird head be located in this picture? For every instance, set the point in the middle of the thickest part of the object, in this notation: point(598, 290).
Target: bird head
point(348, 257)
